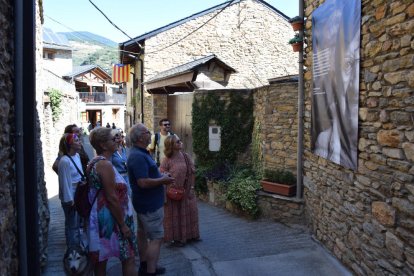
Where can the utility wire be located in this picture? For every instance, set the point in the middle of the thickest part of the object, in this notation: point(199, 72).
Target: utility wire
point(181, 39)
point(187, 35)
point(113, 24)
point(79, 33)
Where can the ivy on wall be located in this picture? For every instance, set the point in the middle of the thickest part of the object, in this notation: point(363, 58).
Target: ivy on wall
point(234, 116)
point(257, 156)
point(55, 103)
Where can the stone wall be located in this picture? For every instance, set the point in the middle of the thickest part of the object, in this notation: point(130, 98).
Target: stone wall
point(366, 217)
point(275, 112)
point(288, 210)
point(8, 220)
point(248, 36)
point(43, 204)
point(52, 131)
point(274, 207)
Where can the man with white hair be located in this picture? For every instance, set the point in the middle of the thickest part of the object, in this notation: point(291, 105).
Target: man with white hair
point(147, 184)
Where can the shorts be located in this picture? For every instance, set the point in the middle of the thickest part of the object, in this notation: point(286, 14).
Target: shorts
point(152, 223)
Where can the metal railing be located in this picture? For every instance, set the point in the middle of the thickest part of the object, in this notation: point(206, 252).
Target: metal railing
point(101, 97)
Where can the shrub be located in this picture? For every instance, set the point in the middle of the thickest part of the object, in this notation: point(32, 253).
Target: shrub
point(241, 190)
point(280, 176)
point(55, 103)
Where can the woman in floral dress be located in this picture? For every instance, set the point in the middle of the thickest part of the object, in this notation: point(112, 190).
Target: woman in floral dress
point(111, 224)
point(180, 217)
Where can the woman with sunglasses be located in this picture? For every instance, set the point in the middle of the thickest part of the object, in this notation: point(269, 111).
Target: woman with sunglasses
point(180, 217)
point(111, 225)
point(119, 158)
point(70, 174)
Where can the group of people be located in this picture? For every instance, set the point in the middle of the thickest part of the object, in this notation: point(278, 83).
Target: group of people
point(98, 124)
point(121, 181)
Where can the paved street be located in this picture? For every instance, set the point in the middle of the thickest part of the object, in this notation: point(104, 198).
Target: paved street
point(230, 246)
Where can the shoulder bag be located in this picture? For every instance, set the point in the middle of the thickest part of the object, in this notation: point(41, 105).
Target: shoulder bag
point(81, 198)
point(177, 192)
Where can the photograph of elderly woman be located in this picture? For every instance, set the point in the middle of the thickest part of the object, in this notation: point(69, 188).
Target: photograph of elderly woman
point(335, 38)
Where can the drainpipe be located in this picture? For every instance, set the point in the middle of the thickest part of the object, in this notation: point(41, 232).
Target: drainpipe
point(19, 163)
point(299, 165)
point(142, 87)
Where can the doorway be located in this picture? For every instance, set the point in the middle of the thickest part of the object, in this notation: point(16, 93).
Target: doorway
point(179, 108)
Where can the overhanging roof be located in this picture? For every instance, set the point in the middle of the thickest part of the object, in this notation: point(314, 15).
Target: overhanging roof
point(181, 78)
point(80, 70)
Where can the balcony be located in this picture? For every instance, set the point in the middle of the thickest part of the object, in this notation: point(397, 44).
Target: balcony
point(102, 98)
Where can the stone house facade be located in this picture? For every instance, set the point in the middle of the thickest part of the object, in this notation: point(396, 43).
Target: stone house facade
point(366, 217)
point(248, 35)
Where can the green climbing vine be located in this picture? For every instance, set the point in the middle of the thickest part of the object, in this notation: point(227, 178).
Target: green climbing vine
point(257, 156)
point(55, 103)
point(235, 117)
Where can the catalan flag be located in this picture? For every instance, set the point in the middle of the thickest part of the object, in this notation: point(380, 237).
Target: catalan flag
point(120, 73)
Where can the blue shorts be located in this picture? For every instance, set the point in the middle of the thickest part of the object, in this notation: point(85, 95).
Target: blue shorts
point(152, 224)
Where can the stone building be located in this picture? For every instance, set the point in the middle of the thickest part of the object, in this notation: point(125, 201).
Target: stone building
point(366, 217)
point(249, 36)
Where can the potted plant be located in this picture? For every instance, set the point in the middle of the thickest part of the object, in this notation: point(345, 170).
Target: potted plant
point(280, 182)
point(296, 43)
point(296, 22)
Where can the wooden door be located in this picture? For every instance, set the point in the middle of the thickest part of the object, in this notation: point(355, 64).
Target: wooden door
point(179, 114)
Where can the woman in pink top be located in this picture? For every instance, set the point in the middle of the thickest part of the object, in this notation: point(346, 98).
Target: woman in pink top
point(180, 217)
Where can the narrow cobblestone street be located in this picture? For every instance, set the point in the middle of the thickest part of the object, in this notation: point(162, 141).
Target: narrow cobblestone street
point(230, 246)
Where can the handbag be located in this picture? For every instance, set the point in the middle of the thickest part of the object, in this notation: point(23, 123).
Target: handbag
point(177, 192)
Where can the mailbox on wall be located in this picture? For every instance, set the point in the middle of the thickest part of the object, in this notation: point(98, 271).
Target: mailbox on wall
point(214, 138)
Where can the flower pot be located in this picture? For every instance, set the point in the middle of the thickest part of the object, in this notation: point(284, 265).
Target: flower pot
point(297, 46)
point(277, 188)
point(296, 25)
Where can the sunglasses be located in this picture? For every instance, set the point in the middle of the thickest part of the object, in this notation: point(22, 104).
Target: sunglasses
point(166, 124)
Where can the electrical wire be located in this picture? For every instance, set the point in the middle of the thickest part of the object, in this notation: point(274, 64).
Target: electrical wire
point(79, 33)
point(198, 28)
point(172, 44)
point(113, 24)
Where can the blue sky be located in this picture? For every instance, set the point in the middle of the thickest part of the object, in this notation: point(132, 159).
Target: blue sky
point(134, 17)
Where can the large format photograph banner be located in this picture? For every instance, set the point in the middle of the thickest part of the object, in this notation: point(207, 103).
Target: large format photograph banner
point(335, 41)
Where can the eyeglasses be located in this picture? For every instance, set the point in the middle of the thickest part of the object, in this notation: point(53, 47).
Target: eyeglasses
point(166, 124)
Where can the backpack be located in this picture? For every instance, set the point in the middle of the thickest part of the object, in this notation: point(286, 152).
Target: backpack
point(82, 205)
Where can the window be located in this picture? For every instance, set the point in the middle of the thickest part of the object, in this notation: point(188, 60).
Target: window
point(48, 55)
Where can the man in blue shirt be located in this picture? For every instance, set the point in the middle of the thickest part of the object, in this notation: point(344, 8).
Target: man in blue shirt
point(147, 185)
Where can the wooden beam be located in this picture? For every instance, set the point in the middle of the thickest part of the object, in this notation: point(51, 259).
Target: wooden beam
point(180, 79)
